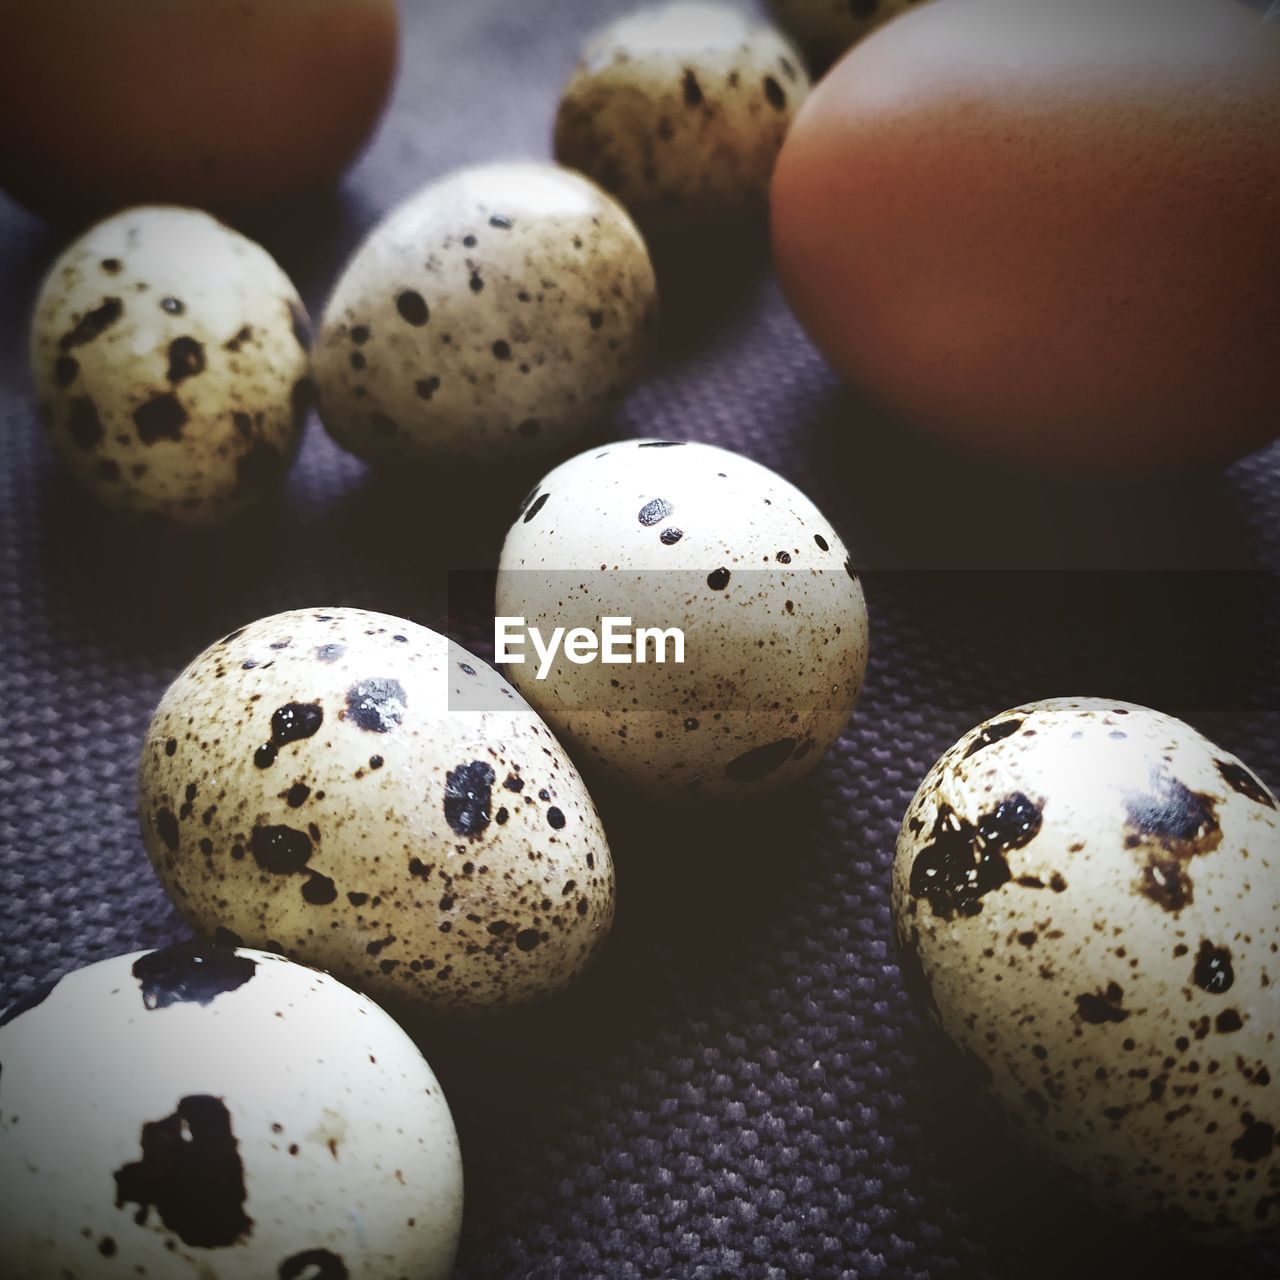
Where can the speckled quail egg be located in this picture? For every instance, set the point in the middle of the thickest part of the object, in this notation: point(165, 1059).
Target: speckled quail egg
point(504, 307)
point(824, 29)
point(169, 355)
point(213, 1113)
point(689, 537)
point(680, 111)
point(356, 792)
point(1090, 891)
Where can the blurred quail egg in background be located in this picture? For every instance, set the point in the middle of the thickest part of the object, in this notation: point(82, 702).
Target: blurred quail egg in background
point(311, 784)
point(680, 109)
point(824, 29)
point(169, 357)
point(693, 537)
point(207, 1113)
point(501, 312)
point(1090, 892)
point(218, 103)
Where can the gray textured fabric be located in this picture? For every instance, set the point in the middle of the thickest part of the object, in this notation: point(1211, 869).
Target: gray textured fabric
point(741, 1087)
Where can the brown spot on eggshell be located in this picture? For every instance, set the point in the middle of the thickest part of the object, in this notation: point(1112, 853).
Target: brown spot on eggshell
point(964, 861)
point(1172, 825)
point(1239, 779)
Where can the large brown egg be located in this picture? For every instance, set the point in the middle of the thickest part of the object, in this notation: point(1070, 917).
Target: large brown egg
point(215, 103)
point(1049, 230)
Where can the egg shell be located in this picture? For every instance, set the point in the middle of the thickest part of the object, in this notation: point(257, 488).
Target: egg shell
point(680, 111)
point(212, 1113)
point(824, 29)
point(1090, 892)
point(688, 535)
point(311, 785)
point(169, 357)
point(216, 103)
point(505, 307)
point(1048, 230)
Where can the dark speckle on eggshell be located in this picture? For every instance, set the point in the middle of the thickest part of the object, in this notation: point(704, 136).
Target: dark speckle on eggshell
point(191, 1173)
point(1213, 972)
point(1239, 778)
point(993, 733)
point(167, 828)
point(1171, 825)
point(655, 510)
point(964, 861)
point(1102, 1007)
point(467, 798)
point(279, 849)
point(319, 890)
point(1256, 1142)
point(186, 359)
point(376, 705)
point(93, 324)
point(314, 1264)
point(1170, 813)
point(293, 722)
point(412, 308)
point(160, 418)
point(190, 973)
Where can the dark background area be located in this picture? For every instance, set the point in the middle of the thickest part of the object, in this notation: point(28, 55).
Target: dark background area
point(741, 1087)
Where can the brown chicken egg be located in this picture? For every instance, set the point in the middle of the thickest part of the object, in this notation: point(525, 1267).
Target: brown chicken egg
point(213, 103)
point(1048, 230)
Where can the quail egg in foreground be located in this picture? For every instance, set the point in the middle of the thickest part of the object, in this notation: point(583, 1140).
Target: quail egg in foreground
point(680, 111)
point(691, 538)
point(169, 356)
point(1091, 893)
point(505, 307)
point(213, 1113)
point(354, 791)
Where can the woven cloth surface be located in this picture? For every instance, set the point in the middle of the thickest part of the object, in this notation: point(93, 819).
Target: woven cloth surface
point(741, 1086)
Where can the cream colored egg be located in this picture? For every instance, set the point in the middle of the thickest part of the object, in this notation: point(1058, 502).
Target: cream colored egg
point(356, 792)
point(680, 111)
point(691, 538)
point(506, 307)
point(1091, 891)
point(202, 1113)
point(169, 356)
